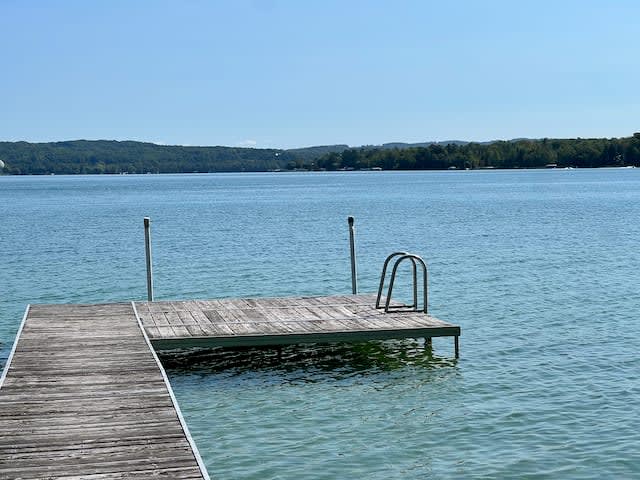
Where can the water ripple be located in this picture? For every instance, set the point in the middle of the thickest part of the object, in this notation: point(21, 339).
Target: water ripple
point(538, 267)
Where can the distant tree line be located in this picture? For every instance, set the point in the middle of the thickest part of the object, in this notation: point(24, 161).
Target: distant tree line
point(102, 156)
point(500, 154)
point(97, 157)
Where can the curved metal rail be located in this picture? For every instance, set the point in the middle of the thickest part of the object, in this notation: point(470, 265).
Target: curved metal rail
point(383, 276)
point(415, 260)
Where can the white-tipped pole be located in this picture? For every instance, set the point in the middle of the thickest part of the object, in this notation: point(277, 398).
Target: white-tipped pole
point(147, 245)
point(352, 245)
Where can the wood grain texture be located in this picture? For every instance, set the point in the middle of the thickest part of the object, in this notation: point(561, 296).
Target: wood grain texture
point(84, 397)
point(274, 321)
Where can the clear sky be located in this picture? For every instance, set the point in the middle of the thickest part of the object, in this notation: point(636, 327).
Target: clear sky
point(276, 73)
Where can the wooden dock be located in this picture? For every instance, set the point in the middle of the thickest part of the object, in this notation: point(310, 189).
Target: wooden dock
point(280, 321)
point(83, 394)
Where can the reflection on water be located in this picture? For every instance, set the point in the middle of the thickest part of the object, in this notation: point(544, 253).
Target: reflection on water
point(338, 359)
point(373, 409)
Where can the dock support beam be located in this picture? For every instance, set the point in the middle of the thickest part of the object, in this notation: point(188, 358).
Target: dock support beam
point(352, 246)
point(456, 344)
point(147, 246)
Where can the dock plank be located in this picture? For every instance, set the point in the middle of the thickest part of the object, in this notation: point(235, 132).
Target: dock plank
point(274, 321)
point(83, 396)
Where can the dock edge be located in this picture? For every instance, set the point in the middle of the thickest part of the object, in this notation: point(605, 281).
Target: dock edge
point(15, 345)
point(183, 423)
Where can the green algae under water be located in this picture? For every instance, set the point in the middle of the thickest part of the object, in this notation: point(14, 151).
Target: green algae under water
point(539, 268)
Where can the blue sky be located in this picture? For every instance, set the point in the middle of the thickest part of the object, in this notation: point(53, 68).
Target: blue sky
point(276, 73)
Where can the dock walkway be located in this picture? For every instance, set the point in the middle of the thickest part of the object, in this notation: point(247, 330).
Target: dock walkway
point(84, 396)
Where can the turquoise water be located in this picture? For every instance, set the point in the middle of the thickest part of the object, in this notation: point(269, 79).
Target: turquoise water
point(539, 268)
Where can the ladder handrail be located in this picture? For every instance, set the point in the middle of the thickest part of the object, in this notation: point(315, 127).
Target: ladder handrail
point(384, 274)
point(415, 259)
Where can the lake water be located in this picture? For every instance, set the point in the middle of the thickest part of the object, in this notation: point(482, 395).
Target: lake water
point(539, 268)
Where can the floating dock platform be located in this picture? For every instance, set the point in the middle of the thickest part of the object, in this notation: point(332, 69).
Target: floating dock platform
point(83, 394)
point(283, 321)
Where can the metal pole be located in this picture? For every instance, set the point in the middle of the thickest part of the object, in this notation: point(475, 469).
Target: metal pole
point(147, 245)
point(352, 245)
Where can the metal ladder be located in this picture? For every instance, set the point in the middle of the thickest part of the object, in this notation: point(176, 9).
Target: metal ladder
point(415, 261)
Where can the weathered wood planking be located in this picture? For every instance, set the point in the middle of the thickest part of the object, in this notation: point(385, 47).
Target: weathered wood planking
point(84, 396)
point(277, 321)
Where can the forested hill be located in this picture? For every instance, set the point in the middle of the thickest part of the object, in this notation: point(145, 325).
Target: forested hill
point(104, 156)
